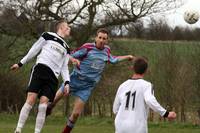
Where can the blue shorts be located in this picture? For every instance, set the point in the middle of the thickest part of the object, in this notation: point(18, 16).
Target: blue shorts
point(80, 86)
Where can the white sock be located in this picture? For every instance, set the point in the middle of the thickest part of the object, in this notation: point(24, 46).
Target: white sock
point(23, 116)
point(40, 117)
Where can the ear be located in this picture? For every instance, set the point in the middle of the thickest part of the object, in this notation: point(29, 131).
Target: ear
point(131, 68)
point(95, 38)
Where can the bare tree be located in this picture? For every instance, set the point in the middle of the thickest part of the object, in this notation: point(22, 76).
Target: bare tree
point(136, 29)
point(85, 15)
point(159, 29)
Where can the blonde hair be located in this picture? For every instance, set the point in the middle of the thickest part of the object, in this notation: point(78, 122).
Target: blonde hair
point(59, 23)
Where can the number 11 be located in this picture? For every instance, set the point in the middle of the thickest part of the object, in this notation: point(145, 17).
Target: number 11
point(128, 94)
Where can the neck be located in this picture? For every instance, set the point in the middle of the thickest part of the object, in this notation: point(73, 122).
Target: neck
point(137, 76)
point(60, 34)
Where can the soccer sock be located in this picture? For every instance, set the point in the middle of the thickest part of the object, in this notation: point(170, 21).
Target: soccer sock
point(40, 117)
point(68, 127)
point(23, 116)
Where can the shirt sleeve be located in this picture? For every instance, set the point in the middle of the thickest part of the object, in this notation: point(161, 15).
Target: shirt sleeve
point(79, 53)
point(113, 59)
point(35, 49)
point(65, 69)
point(117, 102)
point(152, 102)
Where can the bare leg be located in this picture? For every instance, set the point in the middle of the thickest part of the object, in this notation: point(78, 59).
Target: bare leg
point(78, 108)
point(59, 95)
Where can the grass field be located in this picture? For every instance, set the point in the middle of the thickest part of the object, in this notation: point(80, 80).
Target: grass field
point(89, 125)
point(162, 55)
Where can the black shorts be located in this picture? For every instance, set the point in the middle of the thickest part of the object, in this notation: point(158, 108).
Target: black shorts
point(43, 82)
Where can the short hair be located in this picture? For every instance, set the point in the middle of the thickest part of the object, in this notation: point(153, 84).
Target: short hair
point(58, 24)
point(102, 30)
point(140, 65)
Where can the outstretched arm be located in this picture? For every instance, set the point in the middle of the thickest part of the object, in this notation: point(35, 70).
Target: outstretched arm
point(35, 49)
point(126, 57)
point(116, 59)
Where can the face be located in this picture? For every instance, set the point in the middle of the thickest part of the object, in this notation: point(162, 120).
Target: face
point(101, 40)
point(65, 29)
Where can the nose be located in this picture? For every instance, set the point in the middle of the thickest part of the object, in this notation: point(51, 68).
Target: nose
point(101, 40)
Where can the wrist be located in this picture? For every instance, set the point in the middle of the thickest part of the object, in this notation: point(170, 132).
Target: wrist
point(66, 83)
point(20, 64)
point(166, 114)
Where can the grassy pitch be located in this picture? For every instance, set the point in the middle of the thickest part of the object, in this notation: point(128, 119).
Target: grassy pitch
point(55, 124)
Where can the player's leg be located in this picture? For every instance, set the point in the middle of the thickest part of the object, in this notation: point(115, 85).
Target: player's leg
point(33, 89)
point(81, 89)
point(46, 94)
point(59, 95)
point(41, 115)
point(24, 113)
point(77, 109)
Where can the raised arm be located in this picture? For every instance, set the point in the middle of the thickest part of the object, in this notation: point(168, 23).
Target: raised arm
point(35, 49)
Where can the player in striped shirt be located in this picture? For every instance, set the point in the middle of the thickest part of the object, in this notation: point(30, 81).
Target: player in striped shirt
point(133, 100)
point(52, 60)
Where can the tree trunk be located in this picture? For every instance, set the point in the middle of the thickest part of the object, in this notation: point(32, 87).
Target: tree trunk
point(183, 113)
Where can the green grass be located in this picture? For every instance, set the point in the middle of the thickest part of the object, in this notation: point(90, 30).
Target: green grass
point(89, 125)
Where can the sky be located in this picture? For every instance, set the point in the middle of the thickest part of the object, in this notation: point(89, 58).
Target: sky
point(176, 17)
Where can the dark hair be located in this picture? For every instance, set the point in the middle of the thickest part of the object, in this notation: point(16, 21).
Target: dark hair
point(102, 30)
point(140, 65)
point(58, 23)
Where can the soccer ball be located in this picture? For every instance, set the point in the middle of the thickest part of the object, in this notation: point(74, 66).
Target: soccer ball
point(191, 16)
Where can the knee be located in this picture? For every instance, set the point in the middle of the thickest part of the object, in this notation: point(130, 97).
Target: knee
point(30, 100)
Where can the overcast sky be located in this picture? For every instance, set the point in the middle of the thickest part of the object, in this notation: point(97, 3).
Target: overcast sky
point(176, 18)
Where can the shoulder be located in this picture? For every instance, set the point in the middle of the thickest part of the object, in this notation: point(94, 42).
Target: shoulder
point(88, 45)
point(54, 37)
point(125, 83)
point(146, 84)
point(107, 47)
point(49, 35)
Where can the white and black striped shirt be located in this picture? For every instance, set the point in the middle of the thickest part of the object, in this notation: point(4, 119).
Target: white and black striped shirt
point(53, 52)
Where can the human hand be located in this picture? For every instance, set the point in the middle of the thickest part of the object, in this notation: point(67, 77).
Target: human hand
point(14, 67)
point(131, 57)
point(66, 90)
point(76, 62)
point(171, 115)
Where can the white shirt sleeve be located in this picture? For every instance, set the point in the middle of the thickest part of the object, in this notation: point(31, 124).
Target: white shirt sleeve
point(35, 49)
point(65, 69)
point(116, 103)
point(152, 102)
